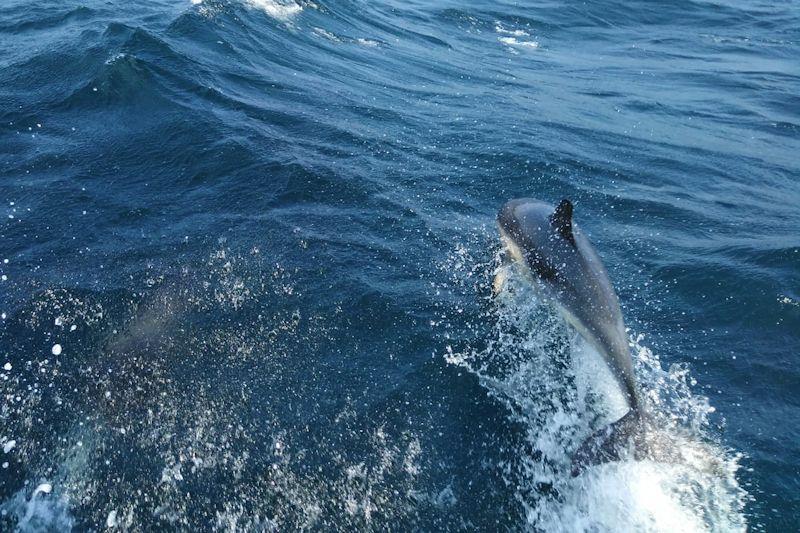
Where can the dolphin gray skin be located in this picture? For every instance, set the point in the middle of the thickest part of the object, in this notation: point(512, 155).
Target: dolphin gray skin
point(567, 271)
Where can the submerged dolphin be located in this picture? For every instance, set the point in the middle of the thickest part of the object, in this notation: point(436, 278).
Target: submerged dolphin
point(566, 268)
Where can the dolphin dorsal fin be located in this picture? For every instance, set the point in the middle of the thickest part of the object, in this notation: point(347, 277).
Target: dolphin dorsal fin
point(561, 220)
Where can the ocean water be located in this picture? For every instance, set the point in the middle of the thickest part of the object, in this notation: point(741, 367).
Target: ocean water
point(247, 252)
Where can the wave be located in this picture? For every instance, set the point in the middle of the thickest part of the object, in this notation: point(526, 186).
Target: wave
point(278, 10)
point(35, 20)
point(282, 10)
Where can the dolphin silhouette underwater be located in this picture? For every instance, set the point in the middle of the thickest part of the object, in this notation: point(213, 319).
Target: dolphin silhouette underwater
point(568, 272)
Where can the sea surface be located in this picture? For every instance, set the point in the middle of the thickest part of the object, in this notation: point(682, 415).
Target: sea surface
point(248, 248)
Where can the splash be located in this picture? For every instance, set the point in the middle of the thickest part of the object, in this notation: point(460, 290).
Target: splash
point(560, 391)
point(37, 510)
point(44, 504)
point(150, 424)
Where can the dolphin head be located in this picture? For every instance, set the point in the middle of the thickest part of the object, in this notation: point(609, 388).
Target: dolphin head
point(538, 236)
point(565, 266)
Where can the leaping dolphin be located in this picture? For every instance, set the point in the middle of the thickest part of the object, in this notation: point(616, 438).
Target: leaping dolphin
point(566, 268)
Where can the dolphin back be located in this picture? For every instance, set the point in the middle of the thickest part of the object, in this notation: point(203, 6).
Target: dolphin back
point(562, 260)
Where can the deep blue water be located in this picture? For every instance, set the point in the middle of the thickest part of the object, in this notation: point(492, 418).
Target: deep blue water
point(262, 236)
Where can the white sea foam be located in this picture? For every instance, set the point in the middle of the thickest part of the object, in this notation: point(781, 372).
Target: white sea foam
point(513, 41)
point(504, 31)
point(38, 511)
point(327, 35)
point(367, 42)
point(44, 504)
point(281, 10)
point(43, 488)
point(110, 61)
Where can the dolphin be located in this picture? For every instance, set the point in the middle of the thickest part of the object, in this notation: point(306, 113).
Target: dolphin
point(568, 272)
